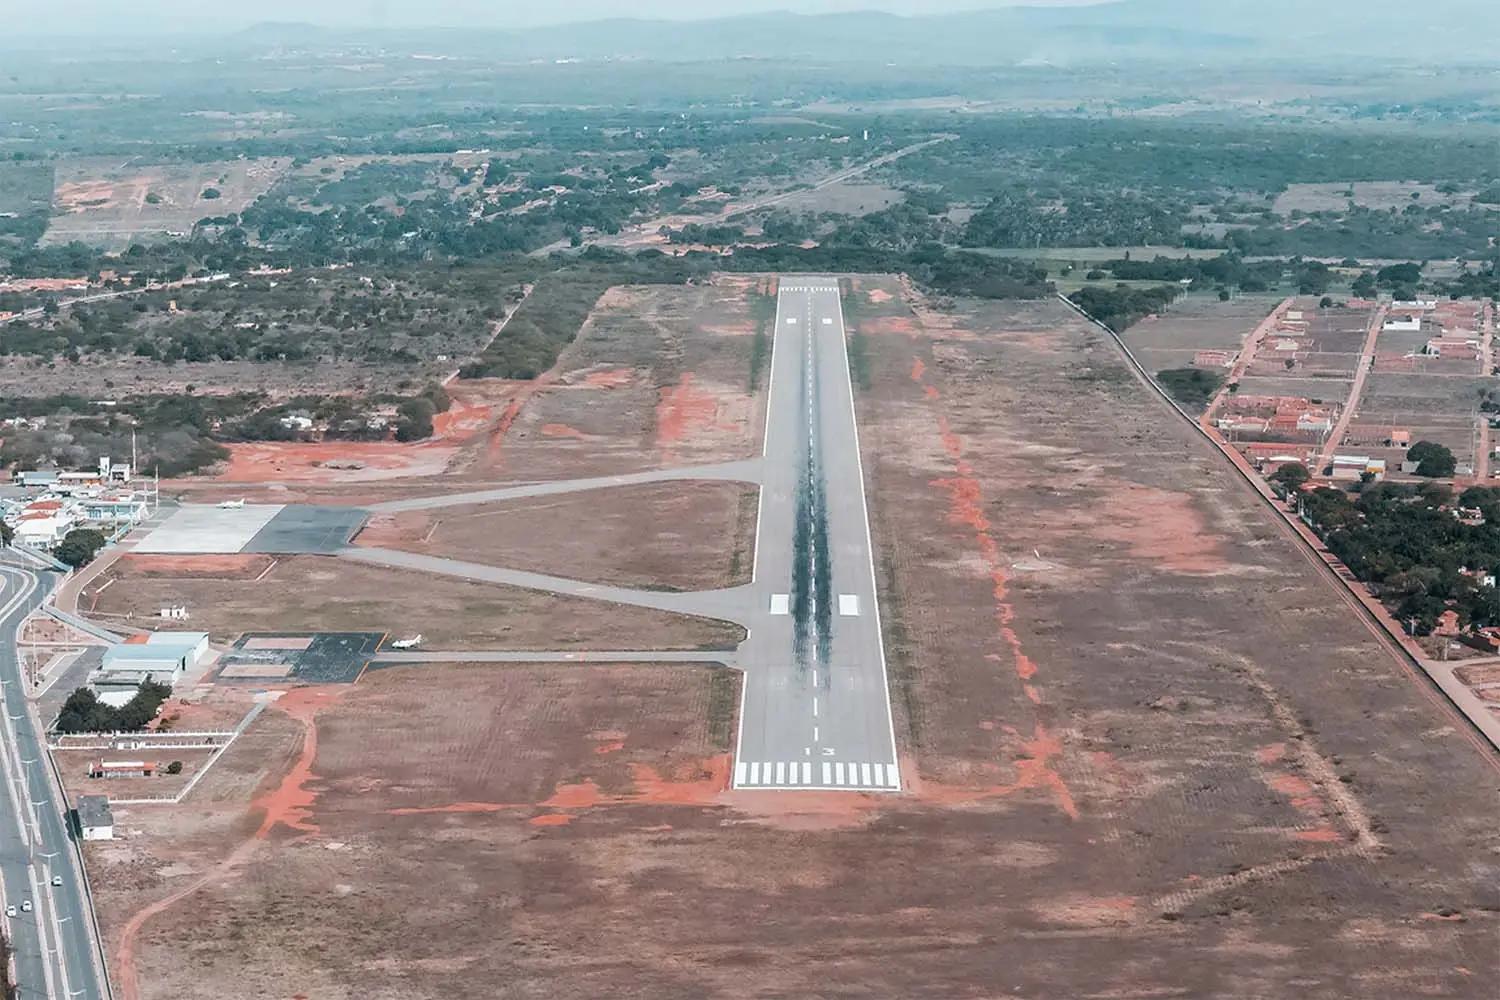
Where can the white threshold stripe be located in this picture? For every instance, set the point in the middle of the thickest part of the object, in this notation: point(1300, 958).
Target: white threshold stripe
point(853, 775)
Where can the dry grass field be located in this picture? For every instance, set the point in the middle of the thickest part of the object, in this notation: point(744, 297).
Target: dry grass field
point(669, 536)
point(311, 593)
point(113, 202)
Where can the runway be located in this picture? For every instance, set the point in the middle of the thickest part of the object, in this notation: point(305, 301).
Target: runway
point(816, 709)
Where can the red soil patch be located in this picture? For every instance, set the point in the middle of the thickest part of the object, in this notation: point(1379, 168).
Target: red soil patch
point(462, 422)
point(879, 295)
point(561, 430)
point(1161, 527)
point(609, 378)
point(290, 803)
point(550, 819)
point(887, 325)
point(230, 567)
point(682, 409)
point(582, 795)
point(1300, 793)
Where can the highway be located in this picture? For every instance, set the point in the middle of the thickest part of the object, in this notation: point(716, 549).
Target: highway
point(816, 708)
point(55, 950)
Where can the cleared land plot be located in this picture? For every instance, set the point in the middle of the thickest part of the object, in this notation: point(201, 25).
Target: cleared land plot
point(1379, 195)
point(320, 593)
point(659, 376)
point(1129, 776)
point(111, 203)
point(1434, 408)
point(1317, 389)
point(1197, 323)
point(843, 199)
point(1330, 344)
point(670, 536)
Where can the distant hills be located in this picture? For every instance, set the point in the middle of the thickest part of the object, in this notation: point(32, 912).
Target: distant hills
point(1184, 31)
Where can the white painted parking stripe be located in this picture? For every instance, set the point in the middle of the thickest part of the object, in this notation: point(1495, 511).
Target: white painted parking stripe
point(807, 772)
point(781, 604)
point(849, 605)
point(755, 772)
point(827, 773)
point(864, 770)
point(892, 776)
point(781, 772)
point(838, 771)
point(740, 772)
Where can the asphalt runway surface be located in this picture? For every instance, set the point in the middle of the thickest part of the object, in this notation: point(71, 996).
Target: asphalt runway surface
point(816, 711)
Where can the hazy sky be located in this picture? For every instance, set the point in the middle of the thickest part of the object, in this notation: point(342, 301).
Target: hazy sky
point(92, 16)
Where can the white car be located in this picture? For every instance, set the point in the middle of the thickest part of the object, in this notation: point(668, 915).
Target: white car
point(25, 906)
point(57, 880)
point(10, 911)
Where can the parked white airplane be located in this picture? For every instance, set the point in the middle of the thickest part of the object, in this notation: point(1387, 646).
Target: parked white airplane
point(411, 643)
point(232, 504)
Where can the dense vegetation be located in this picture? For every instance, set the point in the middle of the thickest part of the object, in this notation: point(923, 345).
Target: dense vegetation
point(1413, 547)
point(1119, 307)
point(1191, 387)
point(83, 712)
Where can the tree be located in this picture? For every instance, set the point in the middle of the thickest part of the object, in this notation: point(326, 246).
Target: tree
point(1433, 460)
point(7, 533)
point(175, 767)
point(1291, 475)
point(414, 419)
point(79, 547)
point(210, 194)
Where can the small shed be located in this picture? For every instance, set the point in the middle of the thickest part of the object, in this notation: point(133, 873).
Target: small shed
point(95, 821)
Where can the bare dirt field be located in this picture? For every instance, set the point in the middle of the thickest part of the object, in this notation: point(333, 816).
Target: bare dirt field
point(312, 593)
point(1149, 751)
point(1380, 195)
point(1436, 408)
point(671, 536)
point(659, 376)
point(1197, 323)
point(112, 202)
point(844, 199)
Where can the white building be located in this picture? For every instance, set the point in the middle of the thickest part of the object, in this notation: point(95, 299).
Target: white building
point(1403, 324)
point(95, 821)
point(43, 530)
point(163, 658)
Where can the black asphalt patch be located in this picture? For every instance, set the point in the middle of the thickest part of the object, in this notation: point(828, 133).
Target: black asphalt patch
point(302, 528)
point(326, 657)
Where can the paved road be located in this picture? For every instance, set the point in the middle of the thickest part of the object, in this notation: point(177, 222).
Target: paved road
point(744, 472)
point(55, 948)
point(726, 604)
point(395, 658)
point(816, 710)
